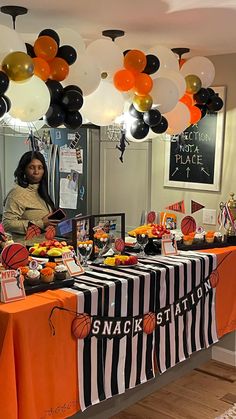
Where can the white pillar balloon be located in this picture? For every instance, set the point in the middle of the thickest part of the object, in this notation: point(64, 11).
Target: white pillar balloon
point(72, 38)
point(84, 73)
point(104, 105)
point(29, 100)
point(165, 94)
point(107, 56)
point(201, 67)
point(178, 119)
point(10, 41)
point(168, 60)
point(22, 127)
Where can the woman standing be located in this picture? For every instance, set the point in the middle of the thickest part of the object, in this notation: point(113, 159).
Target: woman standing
point(29, 201)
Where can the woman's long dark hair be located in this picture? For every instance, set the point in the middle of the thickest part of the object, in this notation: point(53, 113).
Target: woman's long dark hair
point(21, 179)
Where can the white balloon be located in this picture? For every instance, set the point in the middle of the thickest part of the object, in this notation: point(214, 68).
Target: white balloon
point(73, 38)
point(107, 56)
point(165, 94)
point(30, 100)
point(104, 105)
point(178, 119)
point(84, 73)
point(177, 78)
point(10, 41)
point(22, 127)
point(168, 60)
point(201, 67)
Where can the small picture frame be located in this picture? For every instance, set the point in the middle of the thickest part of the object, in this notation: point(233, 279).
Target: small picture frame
point(12, 287)
point(74, 268)
point(169, 247)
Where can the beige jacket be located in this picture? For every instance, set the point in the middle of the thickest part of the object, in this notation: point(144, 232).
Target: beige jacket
point(23, 205)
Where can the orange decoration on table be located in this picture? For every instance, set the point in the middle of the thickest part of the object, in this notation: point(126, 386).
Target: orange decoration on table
point(41, 68)
point(81, 326)
point(149, 323)
point(45, 47)
point(59, 69)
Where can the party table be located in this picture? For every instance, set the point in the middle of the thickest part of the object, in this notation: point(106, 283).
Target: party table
point(55, 375)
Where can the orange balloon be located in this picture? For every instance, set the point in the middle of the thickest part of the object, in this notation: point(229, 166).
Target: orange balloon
point(123, 80)
point(143, 84)
point(181, 62)
point(41, 68)
point(135, 60)
point(187, 100)
point(195, 114)
point(59, 69)
point(45, 47)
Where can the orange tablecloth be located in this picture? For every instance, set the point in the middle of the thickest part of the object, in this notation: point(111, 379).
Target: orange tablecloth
point(38, 374)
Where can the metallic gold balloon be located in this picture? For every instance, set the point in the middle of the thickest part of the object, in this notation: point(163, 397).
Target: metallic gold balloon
point(142, 103)
point(193, 83)
point(18, 66)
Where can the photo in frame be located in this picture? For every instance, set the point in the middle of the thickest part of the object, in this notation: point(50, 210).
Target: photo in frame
point(12, 287)
point(193, 159)
point(169, 247)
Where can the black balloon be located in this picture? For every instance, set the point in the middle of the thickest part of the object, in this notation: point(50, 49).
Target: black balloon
point(3, 107)
point(4, 82)
point(211, 91)
point(30, 50)
point(55, 116)
point(126, 52)
point(215, 104)
point(72, 100)
point(136, 114)
point(8, 102)
point(73, 120)
point(202, 96)
point(55, 89)
point(139, 129)
point(161, 127)
point(203, 109)
point(68, 54)
point(73, 87)
point(50, 32)
point(152, 117)
point(152, 65)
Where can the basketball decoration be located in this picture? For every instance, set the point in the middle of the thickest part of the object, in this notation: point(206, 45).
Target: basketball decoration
point(151, 217)
point(119, 245)
point(14, 255)
point(32, 231)
point(81, 326)
point(50, 232)
point(149, 323)
point(214, 279)
point(188, 225)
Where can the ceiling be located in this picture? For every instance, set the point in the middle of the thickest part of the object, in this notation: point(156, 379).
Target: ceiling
point(207, 27)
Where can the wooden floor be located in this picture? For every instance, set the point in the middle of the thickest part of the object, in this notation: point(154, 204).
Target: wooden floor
point(205, 393)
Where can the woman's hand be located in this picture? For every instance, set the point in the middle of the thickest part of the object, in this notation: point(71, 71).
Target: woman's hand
point(47, 221)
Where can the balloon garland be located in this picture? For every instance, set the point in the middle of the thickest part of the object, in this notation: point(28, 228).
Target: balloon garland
point(164, 94)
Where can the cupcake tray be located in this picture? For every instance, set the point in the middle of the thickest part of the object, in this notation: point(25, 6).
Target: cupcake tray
point(200, 246)
point(54, 285)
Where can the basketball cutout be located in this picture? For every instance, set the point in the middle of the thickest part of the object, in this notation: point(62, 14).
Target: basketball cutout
point(151, 217)
point(149, 323)
point(119, 244)
point(50, 232)
point(14, 255)
point(32, 231)
point(214, 279)
point(188, 225)
point(81, 326)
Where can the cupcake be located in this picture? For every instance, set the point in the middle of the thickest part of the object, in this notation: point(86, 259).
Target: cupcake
point(33, 277)
point(47, 274)
point(60, 272)
point(218, 237)
point(24, 270)
point(199, 238)
point(188, 240)
point(210, 236)
point(50, 265)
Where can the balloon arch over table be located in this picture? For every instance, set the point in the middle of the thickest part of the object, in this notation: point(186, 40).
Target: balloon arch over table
point(58, 78)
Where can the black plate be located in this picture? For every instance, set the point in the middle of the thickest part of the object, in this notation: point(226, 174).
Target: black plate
point(32, 289)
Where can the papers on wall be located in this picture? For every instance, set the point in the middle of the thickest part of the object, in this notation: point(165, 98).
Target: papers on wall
point(74, 181)
point(68, 197)
point(68, 160)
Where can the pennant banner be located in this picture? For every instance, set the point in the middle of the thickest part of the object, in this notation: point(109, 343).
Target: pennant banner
point(195, 206)
point(178, 207)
